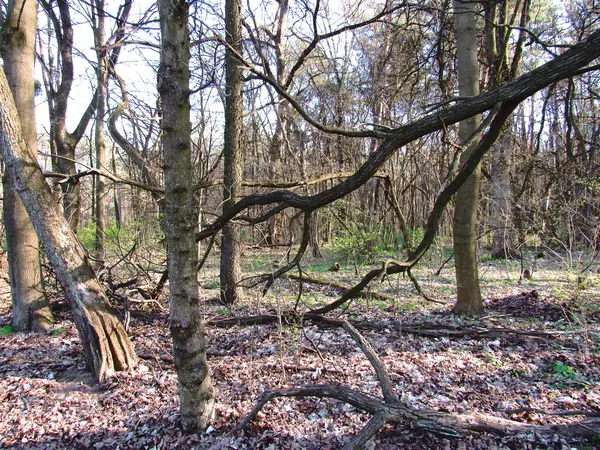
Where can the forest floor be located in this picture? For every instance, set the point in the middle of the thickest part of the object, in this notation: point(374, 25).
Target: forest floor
point(48, 399)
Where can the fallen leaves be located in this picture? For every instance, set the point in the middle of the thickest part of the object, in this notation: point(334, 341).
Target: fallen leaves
point(48, 400)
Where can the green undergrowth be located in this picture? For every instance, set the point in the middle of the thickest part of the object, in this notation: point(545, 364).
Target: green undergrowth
point(500, 279)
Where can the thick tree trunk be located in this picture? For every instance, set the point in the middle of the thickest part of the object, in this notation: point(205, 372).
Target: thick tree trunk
point(196, 392)
point(465, 215)
point(104, 339)
point(29, 303)
point(232, 154)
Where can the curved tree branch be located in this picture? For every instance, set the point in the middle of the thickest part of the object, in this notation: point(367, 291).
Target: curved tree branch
point(512, 92)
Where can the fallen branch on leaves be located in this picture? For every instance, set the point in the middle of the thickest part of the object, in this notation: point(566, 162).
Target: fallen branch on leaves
point(553, 413)
point(391, 409)
point(421, 329)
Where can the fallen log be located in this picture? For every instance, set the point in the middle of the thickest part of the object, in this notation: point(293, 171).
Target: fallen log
point(421, 329)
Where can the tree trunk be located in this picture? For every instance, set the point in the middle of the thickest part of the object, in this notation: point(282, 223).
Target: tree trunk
point(58, 97)
point(104, 339)
point(497, 36)
point(196, 393)
point(29, 303)
point(232, 153)
point(101, 77)
point(274, 230)
point(500, 208)
point(465, 216)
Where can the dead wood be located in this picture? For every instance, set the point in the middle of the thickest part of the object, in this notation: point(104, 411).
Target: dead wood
point(337, 286)
point(392, 409)
point(422, 329)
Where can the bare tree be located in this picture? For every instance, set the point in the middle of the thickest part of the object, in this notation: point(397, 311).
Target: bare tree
point(30, 310)
point(232, 152)
point(98, 19)
point(467, 198)
point(196, 393)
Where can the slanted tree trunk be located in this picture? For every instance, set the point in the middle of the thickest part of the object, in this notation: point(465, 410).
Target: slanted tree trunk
point(232, 153)
point(465, 216)
point(29, 303)
point(196, 393)
point(104, 339)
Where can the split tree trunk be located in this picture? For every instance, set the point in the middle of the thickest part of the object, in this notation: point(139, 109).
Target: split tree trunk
point(106, 345)
point(30, 307)
point(196, 392)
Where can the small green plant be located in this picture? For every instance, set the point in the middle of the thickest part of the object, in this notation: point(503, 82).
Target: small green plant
point(56, 332)
point(213, 284)
point(518, 373)
point(415, 236)
point(320, 267)
point(222, 311)
point(563, 373)
point(356, 244)
point(6, 329)
point(87, 236)
point(595, 438)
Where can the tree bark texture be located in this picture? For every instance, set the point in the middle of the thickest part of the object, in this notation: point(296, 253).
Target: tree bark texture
point(30, 307)
point(465, 216)
point(58, 90)
point(196, 393)
point(65, 143)
point(232, 153)
point(104, 339)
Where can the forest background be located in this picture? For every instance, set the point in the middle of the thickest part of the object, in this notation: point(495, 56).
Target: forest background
point(289, 159)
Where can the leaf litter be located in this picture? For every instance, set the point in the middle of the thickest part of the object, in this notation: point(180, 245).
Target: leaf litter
point(48, 399)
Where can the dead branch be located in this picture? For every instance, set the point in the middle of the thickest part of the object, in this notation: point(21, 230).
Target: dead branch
point(337, 286)
point(302, 369)
point(421, 329)
point(384, 379)
point(392, 410)
point(417, 286)
point(554, 413)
